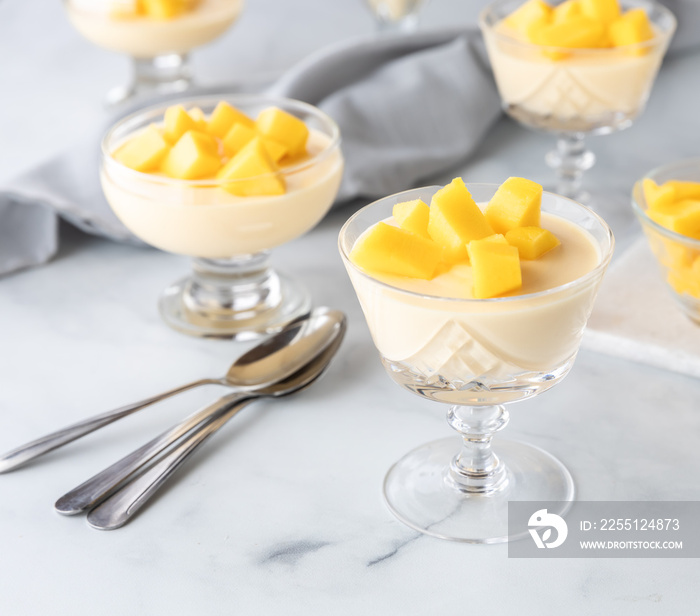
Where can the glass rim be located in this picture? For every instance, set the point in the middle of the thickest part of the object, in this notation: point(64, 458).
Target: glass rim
point(604, 260)
point(158, 109)
point(640, 209)
point(663, 36)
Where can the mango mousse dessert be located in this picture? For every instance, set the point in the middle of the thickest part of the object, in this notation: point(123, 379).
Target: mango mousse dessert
point(669, 210)
point(224, 181)
point(475, 295)
point(156, 34)
point(575, 67)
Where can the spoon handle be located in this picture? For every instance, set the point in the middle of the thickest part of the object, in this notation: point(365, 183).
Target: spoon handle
point(118, 509)
point(98, 487)
point(23, 454)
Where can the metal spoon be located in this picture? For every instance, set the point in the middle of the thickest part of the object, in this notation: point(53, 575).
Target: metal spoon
point(258, 367)
point(283, 354)
point(119, 508)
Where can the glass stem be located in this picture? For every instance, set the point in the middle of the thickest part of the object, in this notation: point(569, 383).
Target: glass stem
point(242, 286)
point(569, 160)
point(162, 74)
point(476, 469)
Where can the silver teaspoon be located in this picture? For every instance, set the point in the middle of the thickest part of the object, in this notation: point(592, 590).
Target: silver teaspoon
point(282, 354)
point(255, 368)
point(119, 508)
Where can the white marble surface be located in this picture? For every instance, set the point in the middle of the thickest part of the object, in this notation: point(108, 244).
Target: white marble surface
point(282, 512)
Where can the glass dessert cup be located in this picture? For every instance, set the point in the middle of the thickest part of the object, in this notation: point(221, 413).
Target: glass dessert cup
point(232, 292)
point(572, 93)
point(476, 356)
point(396, 15)
point(158, 48)
point(675, 253)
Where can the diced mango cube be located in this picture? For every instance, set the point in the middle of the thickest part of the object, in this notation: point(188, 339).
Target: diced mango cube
point(145, 151)
point(455, 220)
point(193, 157)
point(495, 268)
point(200, 120)
point(240, 135)
point(390, 250)
point(413, 216)
point(284, 128)
point(631, 28)
point(532, 242)
point(496, 237)
point(252, 172)
point(532, 12)
point(126, 9)
point(603, 11)
point(575, 33)
point(684, 190)
point(684, 281)
point(657, 196)
point(177, 123)
point(566, 10)
point(163, 9)
point(516, 203)
point(224, 117)
point(683, 217)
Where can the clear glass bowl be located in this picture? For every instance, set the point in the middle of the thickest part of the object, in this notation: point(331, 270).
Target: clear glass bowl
point(232, 293)
point(574, 92)
point(475, 355)
point(675, 253)
point(158, 47)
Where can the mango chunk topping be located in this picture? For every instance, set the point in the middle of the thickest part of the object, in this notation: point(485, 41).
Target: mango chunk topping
point(390, 250)
point(193, 157)
point(532, 242)
point(455, 219)
point(224, 117)
point(495, 267)
point(284, 128)
point(177, 122)
point(532, 12)
point(145, 151)
point(578, 32)
point(240, 135)
point(252, 172)
point(413, 216)
point(631, 28)
point(605, 11)
point(516, 203)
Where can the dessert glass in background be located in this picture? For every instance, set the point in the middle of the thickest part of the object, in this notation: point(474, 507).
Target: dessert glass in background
point(476, 355)
point(574, 92)
point(156, 34)
point(678, 255)
point(396, 15)
point(232, 292)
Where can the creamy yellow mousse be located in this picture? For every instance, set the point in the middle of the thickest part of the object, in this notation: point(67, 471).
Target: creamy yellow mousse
point(149, 28)
point(583, 61)
point(466, 290)
point(224, 184)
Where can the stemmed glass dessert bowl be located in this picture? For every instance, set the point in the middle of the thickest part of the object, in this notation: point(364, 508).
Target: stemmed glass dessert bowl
point(678, 254)
point(396, 15)
point(232, 292)
point(156, 34)
point(476, 355)
point(573, 92)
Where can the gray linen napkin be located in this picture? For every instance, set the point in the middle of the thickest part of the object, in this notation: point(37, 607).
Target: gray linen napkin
point(407, 108)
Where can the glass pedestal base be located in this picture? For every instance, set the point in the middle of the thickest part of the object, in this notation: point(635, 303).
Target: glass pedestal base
point(239, 299)
point(419, 491)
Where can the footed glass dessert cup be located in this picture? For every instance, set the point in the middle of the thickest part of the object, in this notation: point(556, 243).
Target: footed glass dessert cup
point(396, 15)
point(571, 92)
point(476, 355)
point(678, 255)
point(156, 34)
point(232, 291)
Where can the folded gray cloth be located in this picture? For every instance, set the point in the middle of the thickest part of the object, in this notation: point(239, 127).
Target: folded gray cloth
point(407, 108)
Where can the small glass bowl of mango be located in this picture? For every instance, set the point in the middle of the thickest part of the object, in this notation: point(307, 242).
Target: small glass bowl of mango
point(667, 203)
